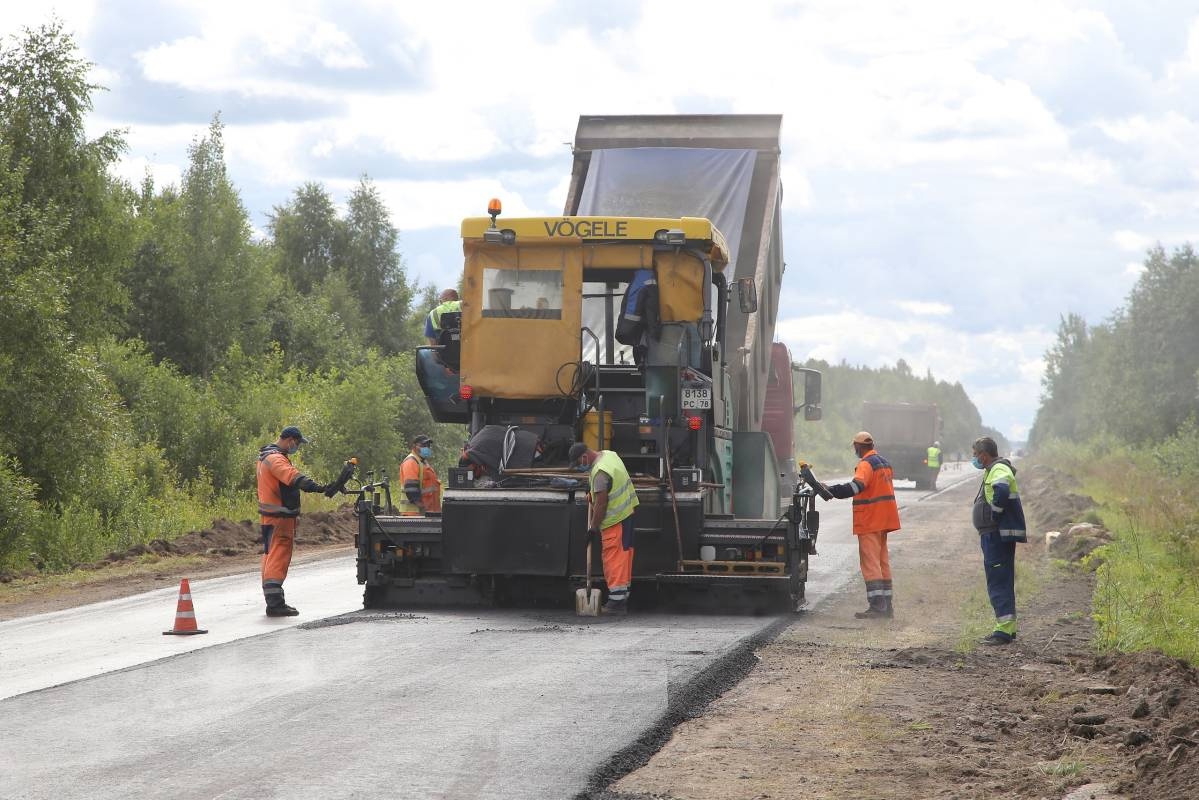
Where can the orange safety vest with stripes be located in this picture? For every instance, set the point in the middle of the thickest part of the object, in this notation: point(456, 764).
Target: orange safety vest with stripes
point(874, 507)
point(418, 474)
point(278, 484)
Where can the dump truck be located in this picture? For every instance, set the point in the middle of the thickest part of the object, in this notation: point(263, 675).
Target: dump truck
point(790, 389)
point(561, 338)
point(903, 432)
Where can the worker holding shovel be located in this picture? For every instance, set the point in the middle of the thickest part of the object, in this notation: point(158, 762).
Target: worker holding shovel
point(610, 518)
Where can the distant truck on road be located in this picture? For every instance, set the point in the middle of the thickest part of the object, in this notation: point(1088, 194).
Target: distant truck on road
point(903, 432)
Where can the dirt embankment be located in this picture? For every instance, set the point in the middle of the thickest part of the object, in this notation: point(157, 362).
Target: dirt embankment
point(839, 708)
point(225, 548)
point(228, 538)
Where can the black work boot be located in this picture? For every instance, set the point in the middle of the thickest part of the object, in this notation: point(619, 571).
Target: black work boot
point(616, 608)
point(879, 609)
point(283, 610)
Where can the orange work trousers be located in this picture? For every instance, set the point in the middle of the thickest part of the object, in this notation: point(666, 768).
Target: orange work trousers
point(278, 543)
point(873, 558)
point(876, 568)
point(618, 559)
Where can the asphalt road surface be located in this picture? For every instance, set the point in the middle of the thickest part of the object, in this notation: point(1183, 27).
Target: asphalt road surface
point(342, 703)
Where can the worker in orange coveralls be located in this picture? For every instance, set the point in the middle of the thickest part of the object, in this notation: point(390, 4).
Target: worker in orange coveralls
point(610, 518)
point(418, 479)
point(875, 514)
point(279, 487)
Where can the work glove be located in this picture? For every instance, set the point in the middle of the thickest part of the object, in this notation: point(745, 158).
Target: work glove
point(330, 490)
point(315, 487)
point(593, 533)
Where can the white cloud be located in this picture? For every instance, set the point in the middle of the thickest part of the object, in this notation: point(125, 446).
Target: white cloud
point(1131, 241)
point(136, 168)
point(925, 308)
point(240, 47)
point(433, 204)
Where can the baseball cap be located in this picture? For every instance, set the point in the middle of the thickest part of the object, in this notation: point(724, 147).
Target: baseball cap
point(421, 439)
point(576, 452)
point(863, 437)
point(292, 432)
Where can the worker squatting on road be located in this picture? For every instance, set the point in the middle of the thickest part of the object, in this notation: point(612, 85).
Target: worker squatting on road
point(875, 514)
point(279, 487)
point(447, 301)
point(998, 517)
point(418, 480)
point(610, 518)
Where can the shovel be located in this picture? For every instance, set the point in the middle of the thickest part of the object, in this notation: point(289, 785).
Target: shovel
point(587, 600)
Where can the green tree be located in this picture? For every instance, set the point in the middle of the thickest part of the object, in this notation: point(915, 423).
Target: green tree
point(199, 282)
point(1159, 329)
point(45, 95)
point(1065, 366)
point(375, 271)
point(53, 401)
point(307, 236)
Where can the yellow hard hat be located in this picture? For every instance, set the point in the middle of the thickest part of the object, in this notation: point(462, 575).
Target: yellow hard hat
point(863, 437)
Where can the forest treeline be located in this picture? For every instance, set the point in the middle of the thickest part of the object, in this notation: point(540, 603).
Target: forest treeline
point(1118, 412)
point(826, 444)
point(149, 343)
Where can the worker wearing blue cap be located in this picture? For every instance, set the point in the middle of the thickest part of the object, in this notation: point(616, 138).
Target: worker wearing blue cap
point(279, 487)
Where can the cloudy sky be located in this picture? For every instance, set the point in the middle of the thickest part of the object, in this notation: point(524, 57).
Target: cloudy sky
point(956, 175)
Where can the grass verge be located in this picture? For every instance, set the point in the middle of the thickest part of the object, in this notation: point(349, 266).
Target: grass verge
point(977, 617)
point(1147, 586)
point(53, 584)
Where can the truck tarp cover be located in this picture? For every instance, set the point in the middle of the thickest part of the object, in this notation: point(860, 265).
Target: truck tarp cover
point(671, 182)
point(667, 182)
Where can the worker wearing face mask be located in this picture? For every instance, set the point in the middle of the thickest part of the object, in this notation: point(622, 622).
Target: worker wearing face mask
point(418, 480)
point(279, 487)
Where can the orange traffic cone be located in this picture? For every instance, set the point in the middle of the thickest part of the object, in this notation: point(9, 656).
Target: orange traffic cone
point(185, 615)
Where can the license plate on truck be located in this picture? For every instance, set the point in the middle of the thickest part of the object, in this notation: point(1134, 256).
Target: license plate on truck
point(697, 398)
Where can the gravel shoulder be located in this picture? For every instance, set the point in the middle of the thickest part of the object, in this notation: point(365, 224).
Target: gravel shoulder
point(839, 708)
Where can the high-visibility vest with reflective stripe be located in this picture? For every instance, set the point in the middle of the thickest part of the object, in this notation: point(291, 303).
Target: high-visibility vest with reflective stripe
point(420, 473)
point(443, 308)
point(874, 508)
point(622, 497)
point(934, 457)
point(278, 484)
point(1011, 523)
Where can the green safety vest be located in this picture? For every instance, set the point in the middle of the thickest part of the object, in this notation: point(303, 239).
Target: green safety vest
point(443, 308)
point(622, 497)
point(999, 470)
point(934, 457)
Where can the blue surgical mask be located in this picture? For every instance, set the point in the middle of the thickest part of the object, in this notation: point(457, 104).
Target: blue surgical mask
point(291, 451)
point(974, 462)
point(425, 452)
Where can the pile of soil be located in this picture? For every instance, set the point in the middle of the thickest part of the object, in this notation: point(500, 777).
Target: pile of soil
point(1078, 543)
point(1158, 717)
point(1050, 500)
point(229, 538)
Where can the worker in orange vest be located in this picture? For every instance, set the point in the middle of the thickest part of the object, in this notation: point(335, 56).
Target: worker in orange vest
point(875, 514)
point(418, 480)
point(279, 487)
